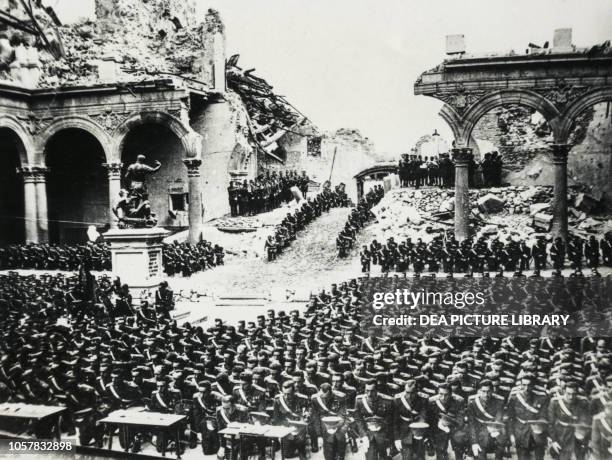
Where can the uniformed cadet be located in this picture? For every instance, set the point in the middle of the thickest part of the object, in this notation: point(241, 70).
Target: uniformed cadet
point(227, 413)
point(601, 434)
point(253, 397)
point(374, 415)
point(292, 409)
point(525, 408)
point(203, 417)
point(330, 403)
point(568, 414)
point(485, 415)
point(410, 408)
point(446, 419)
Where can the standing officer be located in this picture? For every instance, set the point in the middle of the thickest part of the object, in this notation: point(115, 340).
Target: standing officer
point(202, 416)
point(409, 407)
point(373, 415)
point(539, 254)
point(557, 255)
point(233, 195)
point(366, 258)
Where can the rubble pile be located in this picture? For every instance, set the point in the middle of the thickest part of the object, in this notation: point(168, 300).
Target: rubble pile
point(270, 115)
point(515, 211)
point(139, 38)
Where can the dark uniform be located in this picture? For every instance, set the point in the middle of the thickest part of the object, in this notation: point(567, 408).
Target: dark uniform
point(407, 409)
point(374, 418)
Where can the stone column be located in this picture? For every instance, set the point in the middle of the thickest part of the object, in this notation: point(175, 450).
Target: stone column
point(114, 186)
point(42, 222)
point(196, 211)
point(29, 195)
point(461, 158)
point(559, 206)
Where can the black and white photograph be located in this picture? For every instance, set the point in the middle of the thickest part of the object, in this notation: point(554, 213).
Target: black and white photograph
point(310, 229)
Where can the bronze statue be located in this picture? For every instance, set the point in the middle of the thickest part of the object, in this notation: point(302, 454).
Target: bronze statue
point(137, 173)
point(134, 209)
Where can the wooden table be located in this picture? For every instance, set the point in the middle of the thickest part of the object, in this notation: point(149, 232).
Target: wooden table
point(244, 431)
point(37, 412)
point(129, 419)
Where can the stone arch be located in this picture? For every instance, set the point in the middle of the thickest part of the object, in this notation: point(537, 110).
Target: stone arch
point(506, 97)
point(452, 118)
point(25, 147)
point(67, 122)
point(191, 141)
point(577, 107)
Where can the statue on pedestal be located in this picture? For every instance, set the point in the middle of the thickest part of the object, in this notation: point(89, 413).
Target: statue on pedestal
point(134, 209)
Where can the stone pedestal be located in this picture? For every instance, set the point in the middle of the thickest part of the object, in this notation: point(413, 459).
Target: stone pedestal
point(136, 256)
point(559, 205)
point(461, 157)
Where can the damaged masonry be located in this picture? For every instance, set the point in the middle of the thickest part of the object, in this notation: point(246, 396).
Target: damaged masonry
point(143, 78)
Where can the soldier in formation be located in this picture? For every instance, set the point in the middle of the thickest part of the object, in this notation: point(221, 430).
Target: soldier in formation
point(358, 218)
point(266, 192)
point(485, 255)
point(416, 171)
point(306, 212)
point(312, 371)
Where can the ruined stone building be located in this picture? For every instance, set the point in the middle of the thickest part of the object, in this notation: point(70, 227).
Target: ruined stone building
point(79, 102)
point(547, 110)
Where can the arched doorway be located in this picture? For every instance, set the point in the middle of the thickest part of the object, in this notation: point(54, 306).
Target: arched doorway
point(77, 185)
point(168, 188)
point(12, 224)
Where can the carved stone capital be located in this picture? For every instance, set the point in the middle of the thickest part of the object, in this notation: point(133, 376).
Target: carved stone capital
point(33, 174)
point(193, 166)
point(559, 153)
point(462, 156)
point(114, 170)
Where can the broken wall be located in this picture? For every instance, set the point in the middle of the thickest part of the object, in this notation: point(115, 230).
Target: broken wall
point(353, 153)
point(523, 139)
point(129, 40)
point(226, 152)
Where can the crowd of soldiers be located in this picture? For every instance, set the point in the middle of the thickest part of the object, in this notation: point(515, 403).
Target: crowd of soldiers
point(178, 258)
point(487, 255)
point(54, 256)
point(313, 371)
point(286, 231)
point(357, 219)
point(187, 259)
point(268, 191)
point(416, 171)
